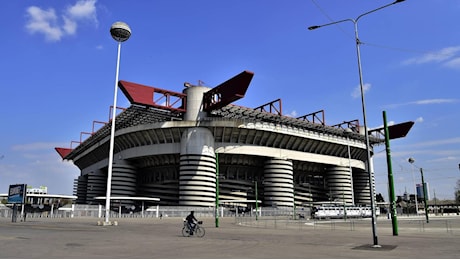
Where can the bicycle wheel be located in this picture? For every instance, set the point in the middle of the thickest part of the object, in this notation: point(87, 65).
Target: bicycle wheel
point(185, 232)
point(199, 232)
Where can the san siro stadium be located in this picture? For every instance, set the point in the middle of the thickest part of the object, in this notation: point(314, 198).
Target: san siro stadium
point(188, 148)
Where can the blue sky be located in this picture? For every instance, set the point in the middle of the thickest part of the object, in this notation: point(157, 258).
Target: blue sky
point(58, 72)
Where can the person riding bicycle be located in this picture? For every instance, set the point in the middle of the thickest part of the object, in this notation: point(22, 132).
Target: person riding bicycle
point(191, 221)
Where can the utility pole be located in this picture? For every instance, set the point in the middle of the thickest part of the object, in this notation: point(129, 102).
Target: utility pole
point(394, 219)
point(424, 196)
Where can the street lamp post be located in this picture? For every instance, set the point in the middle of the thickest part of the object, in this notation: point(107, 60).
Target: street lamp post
point(425, 194)
point(411, 161)
point(120, 32)
point(216, 212)
point(366, 134)
point(257, 201)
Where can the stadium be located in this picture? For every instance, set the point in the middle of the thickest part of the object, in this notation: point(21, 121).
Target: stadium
point(184, 148)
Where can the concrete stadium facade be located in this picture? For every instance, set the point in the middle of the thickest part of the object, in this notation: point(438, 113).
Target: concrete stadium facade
point(180, 154)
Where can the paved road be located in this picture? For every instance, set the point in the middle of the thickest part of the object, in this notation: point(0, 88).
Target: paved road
point(155, 238)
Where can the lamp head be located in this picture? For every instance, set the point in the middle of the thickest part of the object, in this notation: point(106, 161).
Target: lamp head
point(398, 1)
point(411, 160)
point(313, 27)
point(120, 31)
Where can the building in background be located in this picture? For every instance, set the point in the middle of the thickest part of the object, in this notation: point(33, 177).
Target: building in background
point(420, 193)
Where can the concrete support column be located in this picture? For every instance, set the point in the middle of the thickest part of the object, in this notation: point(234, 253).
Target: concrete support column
point(194, 103)
point(361, 186)
point(278, 183)
point(80, 187)
point(96, 184)
point(339, 182)
point(197, 176)
point(123, 179)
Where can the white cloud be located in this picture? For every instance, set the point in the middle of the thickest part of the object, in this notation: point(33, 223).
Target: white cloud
point(83, 9)
point(419, 120)
point(425, 102)
point(439, 142)
point(433, 101)
point(37, 146)
point(357, 90)
point(444, 159)
point(46, 22)
point(447, 56)
point(39, 168)
point(292, 114)
point(453, 63)
point(70, 26)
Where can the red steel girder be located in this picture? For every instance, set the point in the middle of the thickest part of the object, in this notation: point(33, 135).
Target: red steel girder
point(63, 152)
point(314, 118)
point(353, 125)
point(153, 97)
point(271, 107)
point(227, 92)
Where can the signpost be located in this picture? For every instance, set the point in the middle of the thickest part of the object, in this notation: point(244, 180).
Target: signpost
point(17, 195)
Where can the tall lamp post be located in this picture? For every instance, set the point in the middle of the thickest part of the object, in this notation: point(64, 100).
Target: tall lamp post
point(366, 134)
point(120, 32)
point(216, 213)
point(411, 161)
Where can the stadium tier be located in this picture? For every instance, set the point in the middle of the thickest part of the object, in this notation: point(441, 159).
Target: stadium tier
point(178, 146)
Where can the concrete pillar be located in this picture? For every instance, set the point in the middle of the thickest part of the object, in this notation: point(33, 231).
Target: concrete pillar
point(278, 183)
point(194, 104)
point(96, 184)
point(197, 176)
point(339, 182)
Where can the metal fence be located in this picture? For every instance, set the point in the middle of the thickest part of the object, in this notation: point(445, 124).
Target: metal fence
point(449, 225)
point(268, 217)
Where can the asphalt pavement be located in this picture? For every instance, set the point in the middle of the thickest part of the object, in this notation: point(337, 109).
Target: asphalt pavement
point(162, 238)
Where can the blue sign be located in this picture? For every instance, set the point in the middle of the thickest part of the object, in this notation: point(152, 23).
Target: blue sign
point(17, 193)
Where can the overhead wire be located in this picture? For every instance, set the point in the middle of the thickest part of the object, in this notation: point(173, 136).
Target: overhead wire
point(349, 35)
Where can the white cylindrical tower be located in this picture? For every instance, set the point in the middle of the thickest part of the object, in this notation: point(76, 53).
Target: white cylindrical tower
point(340, 184)
point(278, 183)
point(95, 186)
point(194, 103)
point(197, 180)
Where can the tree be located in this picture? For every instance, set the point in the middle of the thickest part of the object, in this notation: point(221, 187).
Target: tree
point(457, 191)
point(379, 198)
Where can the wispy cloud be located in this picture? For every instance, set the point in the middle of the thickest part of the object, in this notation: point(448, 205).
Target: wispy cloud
point(357, 90)
point(448, 141)
point(433, 101)
point(444, 159)
point(447, 57)
point(293, 113)
point(45, 22)
point(55, 27)
point(37, 146)
point(38, 168)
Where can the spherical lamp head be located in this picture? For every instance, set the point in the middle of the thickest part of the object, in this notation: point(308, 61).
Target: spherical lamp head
point(120, 31)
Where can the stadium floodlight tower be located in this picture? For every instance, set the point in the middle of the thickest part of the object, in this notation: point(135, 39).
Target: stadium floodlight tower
point(120, 32)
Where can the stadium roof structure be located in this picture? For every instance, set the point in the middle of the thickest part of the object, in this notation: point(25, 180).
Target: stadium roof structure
point(153, 105)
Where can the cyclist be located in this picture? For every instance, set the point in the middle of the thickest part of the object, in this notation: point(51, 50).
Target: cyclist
point(191, 221)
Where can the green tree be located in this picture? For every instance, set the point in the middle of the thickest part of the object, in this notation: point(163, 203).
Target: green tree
point(457, 191)
point(379, 198)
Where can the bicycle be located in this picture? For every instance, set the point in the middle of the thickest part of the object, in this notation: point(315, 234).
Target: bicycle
point(198, 230)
